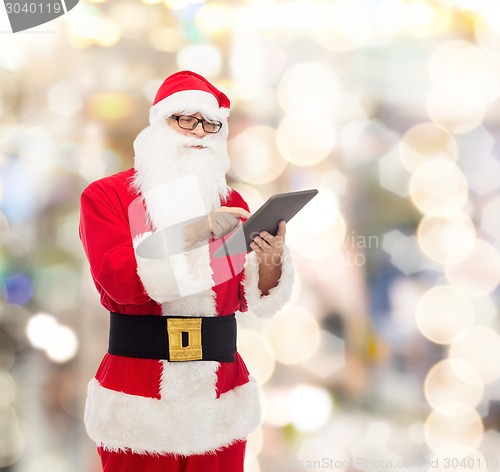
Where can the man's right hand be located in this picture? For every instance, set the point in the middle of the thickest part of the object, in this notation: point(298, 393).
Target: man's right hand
point(223, 220)
point(216, 224)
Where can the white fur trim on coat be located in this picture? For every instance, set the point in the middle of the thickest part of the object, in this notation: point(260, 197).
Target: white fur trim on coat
point(189, 101)
point(201, 304)
point(169, 278)
point(268, 305)
point(156, 275)
point(198, 380)
point(121, 422)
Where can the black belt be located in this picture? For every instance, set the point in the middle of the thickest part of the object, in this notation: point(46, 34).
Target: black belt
point(174, 338)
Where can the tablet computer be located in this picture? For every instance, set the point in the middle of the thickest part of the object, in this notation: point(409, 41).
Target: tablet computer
point(283, 206)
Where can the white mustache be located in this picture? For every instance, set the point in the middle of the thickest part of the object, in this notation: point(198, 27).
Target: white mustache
point(188, 141)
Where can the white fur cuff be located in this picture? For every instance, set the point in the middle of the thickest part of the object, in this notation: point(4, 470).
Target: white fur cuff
point(121, 422)
point(268, 305)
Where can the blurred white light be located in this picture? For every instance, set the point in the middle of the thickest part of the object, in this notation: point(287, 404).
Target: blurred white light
point(349, 25)
point(487, 25)
point(442, 56)
point(254, 155)
point(294, 335)
point(309, 87)
point(256, 64)
point(278, 412)
point(460, 426)
point(64, 347)
point(305, 140)
point(213, 17)
point(479, 273)
point(424, 19)
point(264, 16)
point(426, 141)
point(454, 115)
point(108, 33)
point(465, 72)
point(15, 54)
point(252, 464)
point(466, 84)
point(448, 239)
point(248, 68)
point(165, 39)
point(91, 26)
point(59, 342)
point(321, 222)
point(480, 346)
point(438, 188)
point(443, 314)
point(466, 5)
point(205, 59)
point(258, 354)
point(442, 386)
point(132, 17)
point(310, 407)
point(334, 180)
point(319, 214)
point(180, 4)
point(65, 99)
point(40, 330)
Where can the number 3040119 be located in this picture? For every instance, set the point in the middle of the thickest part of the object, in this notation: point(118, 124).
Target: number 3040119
point(17, 8)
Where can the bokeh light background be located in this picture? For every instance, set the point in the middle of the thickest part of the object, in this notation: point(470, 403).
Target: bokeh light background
point(390, 348)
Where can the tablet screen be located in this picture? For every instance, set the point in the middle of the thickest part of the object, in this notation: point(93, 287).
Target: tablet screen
point(283, 206)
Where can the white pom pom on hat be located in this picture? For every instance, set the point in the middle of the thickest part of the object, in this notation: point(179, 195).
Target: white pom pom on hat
point(187, 91)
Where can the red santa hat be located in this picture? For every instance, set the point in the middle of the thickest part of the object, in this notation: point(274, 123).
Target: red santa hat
point(188, 92)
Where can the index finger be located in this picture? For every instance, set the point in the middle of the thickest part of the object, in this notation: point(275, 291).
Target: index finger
point(281, 228)
point(236, 211)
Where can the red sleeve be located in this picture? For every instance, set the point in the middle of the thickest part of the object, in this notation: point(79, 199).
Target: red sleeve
point(236, 200)
point(106, 239)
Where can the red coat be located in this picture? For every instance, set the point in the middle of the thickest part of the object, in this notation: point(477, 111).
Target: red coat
point(160, 407)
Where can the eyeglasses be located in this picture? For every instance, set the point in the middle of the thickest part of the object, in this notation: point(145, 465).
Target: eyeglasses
point(191, 122)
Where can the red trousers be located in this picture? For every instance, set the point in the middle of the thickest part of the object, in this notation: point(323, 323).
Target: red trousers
point(228, 459)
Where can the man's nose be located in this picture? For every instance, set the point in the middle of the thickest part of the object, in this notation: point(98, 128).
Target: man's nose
point(198, 129)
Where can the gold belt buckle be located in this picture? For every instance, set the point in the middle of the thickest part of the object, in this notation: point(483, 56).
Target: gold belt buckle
point(175, 327)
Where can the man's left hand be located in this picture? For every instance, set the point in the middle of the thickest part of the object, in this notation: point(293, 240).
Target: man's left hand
point(269, 250)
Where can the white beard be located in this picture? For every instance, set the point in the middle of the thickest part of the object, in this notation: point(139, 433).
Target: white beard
point(177, 181)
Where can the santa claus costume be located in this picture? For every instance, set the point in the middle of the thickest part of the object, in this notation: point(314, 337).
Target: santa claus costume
point(160, 413)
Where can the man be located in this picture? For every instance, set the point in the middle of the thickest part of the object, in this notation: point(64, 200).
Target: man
point(172, 393)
